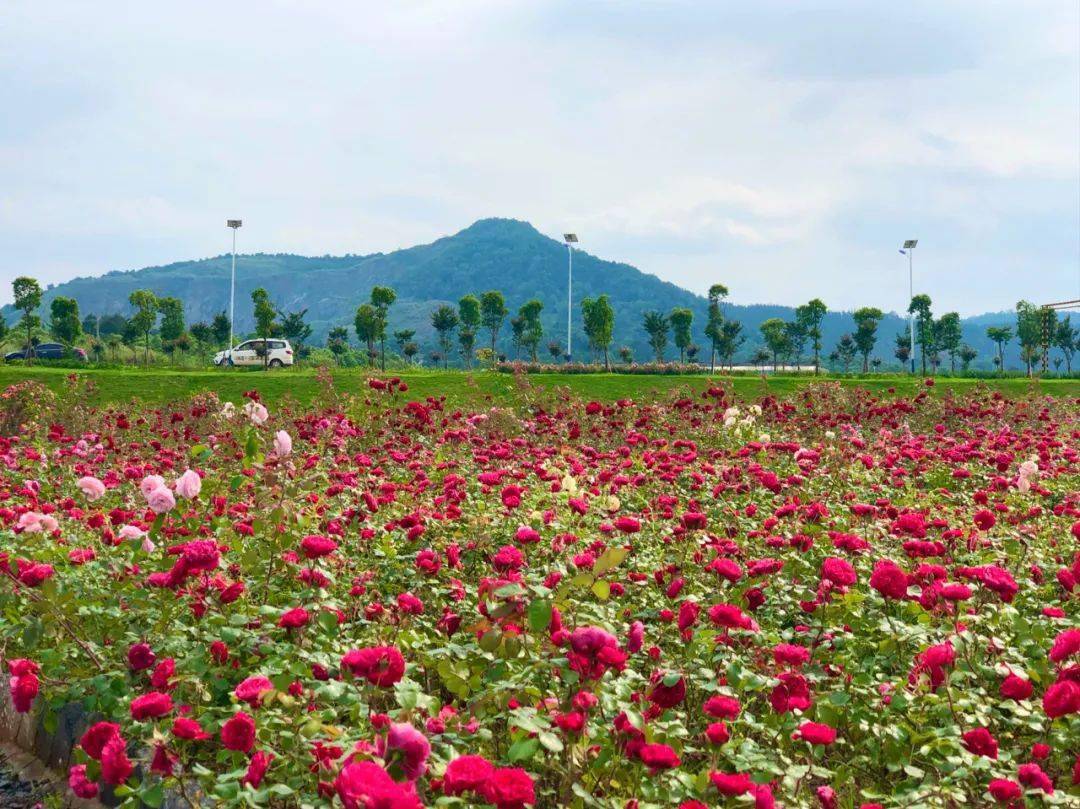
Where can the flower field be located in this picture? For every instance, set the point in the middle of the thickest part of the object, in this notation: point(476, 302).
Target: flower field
point(832, 599)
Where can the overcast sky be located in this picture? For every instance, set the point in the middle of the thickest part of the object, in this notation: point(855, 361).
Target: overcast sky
point(783, 148)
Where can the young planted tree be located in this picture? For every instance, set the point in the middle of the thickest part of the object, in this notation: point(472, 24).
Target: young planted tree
point(626, 354)
point(172, 324)
point(866, 325)
point(948, 337)
point(1029, 333)
point(924, 327)
point(27, 293)
point(296, 329)
point(64, 321)
point(533, 331)
point(777, 338)
point(731, 338)
point(202, 333)
point(809, 317)
point(145, 317)
point(382, 298)
point(966, 354)
point(555, 350)
point(492, 315)
point(845, 352)
point(902, 347)
point(445, 320)
point(337, 340)
point(1000, 335)
point(403, 337)
point(657, 327)
point(599, 318)
point(470, 317)
point(517, 334)
point(221, 327)
point(367, 322)
point(1067, 340)
point(264, 320)
point(715, 325)
point(682, 320)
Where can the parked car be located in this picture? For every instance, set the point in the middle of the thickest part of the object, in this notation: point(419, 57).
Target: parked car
point(251, 352)
point(47, 351)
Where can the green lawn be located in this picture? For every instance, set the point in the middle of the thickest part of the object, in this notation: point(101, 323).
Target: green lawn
point(156, 386)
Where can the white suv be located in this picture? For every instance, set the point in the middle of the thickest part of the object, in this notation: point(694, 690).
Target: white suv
point(250, 352)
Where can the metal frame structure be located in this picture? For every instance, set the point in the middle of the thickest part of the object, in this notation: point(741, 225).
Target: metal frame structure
point(1047, 338)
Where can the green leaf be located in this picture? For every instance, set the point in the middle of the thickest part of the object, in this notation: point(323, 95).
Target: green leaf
point(539, 614)
point(609, 559)
point(551, 741)
point(602, 589)
point(489, 641)
point(523, 750)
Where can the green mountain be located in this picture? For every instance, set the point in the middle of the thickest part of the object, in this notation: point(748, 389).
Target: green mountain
point(504, 254)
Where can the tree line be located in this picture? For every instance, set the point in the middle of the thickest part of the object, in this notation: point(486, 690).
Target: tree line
point(471, 330)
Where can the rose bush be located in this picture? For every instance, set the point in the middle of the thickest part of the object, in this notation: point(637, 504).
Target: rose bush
point(831, 600)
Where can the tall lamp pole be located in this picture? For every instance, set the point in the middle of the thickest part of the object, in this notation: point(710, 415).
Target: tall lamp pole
point(909, 251)
point(235, 225)
point(571, 240)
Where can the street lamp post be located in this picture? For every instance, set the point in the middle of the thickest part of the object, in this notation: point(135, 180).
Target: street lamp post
point(571, 240)
point(235, 225)
point(909, 251)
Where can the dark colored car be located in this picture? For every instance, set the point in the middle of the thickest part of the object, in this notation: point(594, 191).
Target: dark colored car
point(47, 351)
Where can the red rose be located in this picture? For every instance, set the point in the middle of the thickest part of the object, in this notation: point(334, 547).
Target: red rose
point(239, 733)
point(257, 767)
point(252, 690)
point(1003, 790)
point(116, 768)
point(96, 737)
point(80, 785)
point(466, 774)
point(815, 733)
point(140, 656)
point(510, 788)
point(186, 728)
point(379, 665)
point(731, 783)
point(889, 579)
point(151, 706)
point(980, 742)
point(1014, 687)
point(315, 546)
point(294, 618)
point(1061, 698)
point(366, 785)
point(658, 757)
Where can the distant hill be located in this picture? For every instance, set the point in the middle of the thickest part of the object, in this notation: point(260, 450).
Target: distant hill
point(504, 254)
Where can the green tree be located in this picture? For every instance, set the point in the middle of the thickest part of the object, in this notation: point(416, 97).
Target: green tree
point(902, 347)
point(337, 340)
point(715, 325)
point(866, 325)
point(172, 323)
point(777, 338)
point(626, 354)
point(924, 327)
point(682, 320)
point(845, 352)
point(90, 324)
point(27, 293)
point(966, 354)
point(470, 317)
point(517, 334)
point(1067, 340)
point(1029, 333)
point(731, 337)
point(296, 329)
point(64, 321)
point(948, 337)
point(368, 323)
point(657, 327)
point(1000, 335)
point(809, 317)
point(599, 318)
point(202, 333)
point(445, 320)
point(533, 331)
point(264, 320)
point(493, 314)
point(111, 324)
point(382, 298)
point(3, 330)
point(404, 337)
point(145, 317)
point(221, 328)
